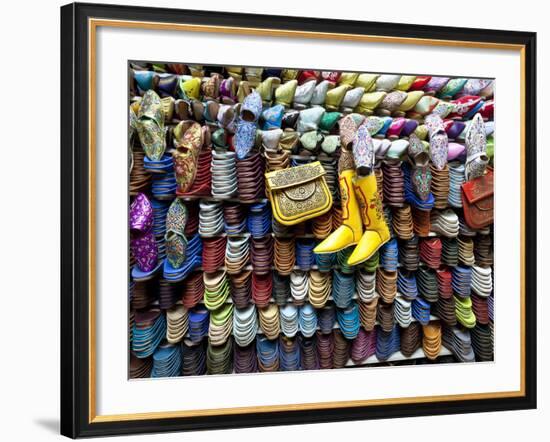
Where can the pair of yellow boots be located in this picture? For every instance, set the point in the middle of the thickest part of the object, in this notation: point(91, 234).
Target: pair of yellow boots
point(361, 207)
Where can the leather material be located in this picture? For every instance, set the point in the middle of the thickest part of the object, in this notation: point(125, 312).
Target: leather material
point(376, 229)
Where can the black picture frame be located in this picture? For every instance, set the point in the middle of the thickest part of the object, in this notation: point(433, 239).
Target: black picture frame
point(75, 195)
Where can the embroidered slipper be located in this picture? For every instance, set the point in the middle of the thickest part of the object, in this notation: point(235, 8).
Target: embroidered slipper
point(476, 145)
point(363, 151)
point(439, 142)
point(150, 126)
point(421, 176)
point(188, 146)
point(175, 240)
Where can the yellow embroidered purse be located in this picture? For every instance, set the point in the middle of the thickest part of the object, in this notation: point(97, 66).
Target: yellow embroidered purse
point(298, 193)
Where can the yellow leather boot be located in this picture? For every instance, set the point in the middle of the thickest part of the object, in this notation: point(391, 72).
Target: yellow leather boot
point(376, 230)
point(350, 231)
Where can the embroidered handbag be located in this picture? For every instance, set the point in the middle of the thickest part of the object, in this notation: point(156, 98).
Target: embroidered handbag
point(298, 193)
point(477, 201)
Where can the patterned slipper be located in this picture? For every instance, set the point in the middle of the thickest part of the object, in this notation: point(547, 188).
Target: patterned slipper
point(150, 126)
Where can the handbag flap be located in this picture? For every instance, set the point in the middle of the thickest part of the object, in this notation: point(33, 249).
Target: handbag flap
point(479, 188)
point(281, 179)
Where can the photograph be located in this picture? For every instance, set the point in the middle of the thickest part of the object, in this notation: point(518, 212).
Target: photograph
point(297, 219)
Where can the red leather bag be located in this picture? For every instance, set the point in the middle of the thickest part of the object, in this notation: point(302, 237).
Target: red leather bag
point(478, 201)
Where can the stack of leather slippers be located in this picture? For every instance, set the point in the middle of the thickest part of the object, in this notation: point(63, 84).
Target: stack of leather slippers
point(199, 319)
point(445, 223)
point(281, 288)
point(167, 361)
point(440, 186)
point(430, 252)
point(224, 174)
point(268, 354)
point(446, 311)
point(234, 216)
point(299, 287)
point(237, 254)
point(432, 339)
point(367, 313)
point(245, 325)
point(462, 280)
point(261, 254)
point(289, 350)
point(389, 255)
point(250, 178)
point(483, 250)
point(480, 308)
point(466, 251)
point(387, 343)
point(421, 310)
point(259, 220)
point(386, 285)
point(262, 286)
point(321, 226)
point(308, 354)
point(402, 222)
point(149, 330)
point(464, 312)
point(213, 253)
point(456, 179)
point(140, 179)
point(192, 290)
point(194, 358)
point(342, 258)
point(411, 339)
point(427, 283)
point(210, 218)
point(216, 289)
point(177, 324)
point(285, 258)
point(241, 288)
point(269, 321)
point(305, 258)
point(365, 285)
point(459, 343)
point(348, 320)
point(320, 286)
point(325, 261)
point(343, 289)
point(385, 316)
point(307, 320)
point(409, 254)
point(394, 181)
point(219, 358)
point(444, 280)
point(141, 296)
point(192, 225)
point(482, 342)
point(403, 312)
point(449, 253)
point(167, 294)
point(326, 318)
point(325, 350)
point(341, 350)
point(289, 320)
point(245, 359)
point(406, 285)
point(140, 367)
point(421, 222)
point(221, 323)
point(363, 346)
point(482, 281)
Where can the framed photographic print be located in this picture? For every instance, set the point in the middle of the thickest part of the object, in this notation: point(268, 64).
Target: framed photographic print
point(276, 220)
